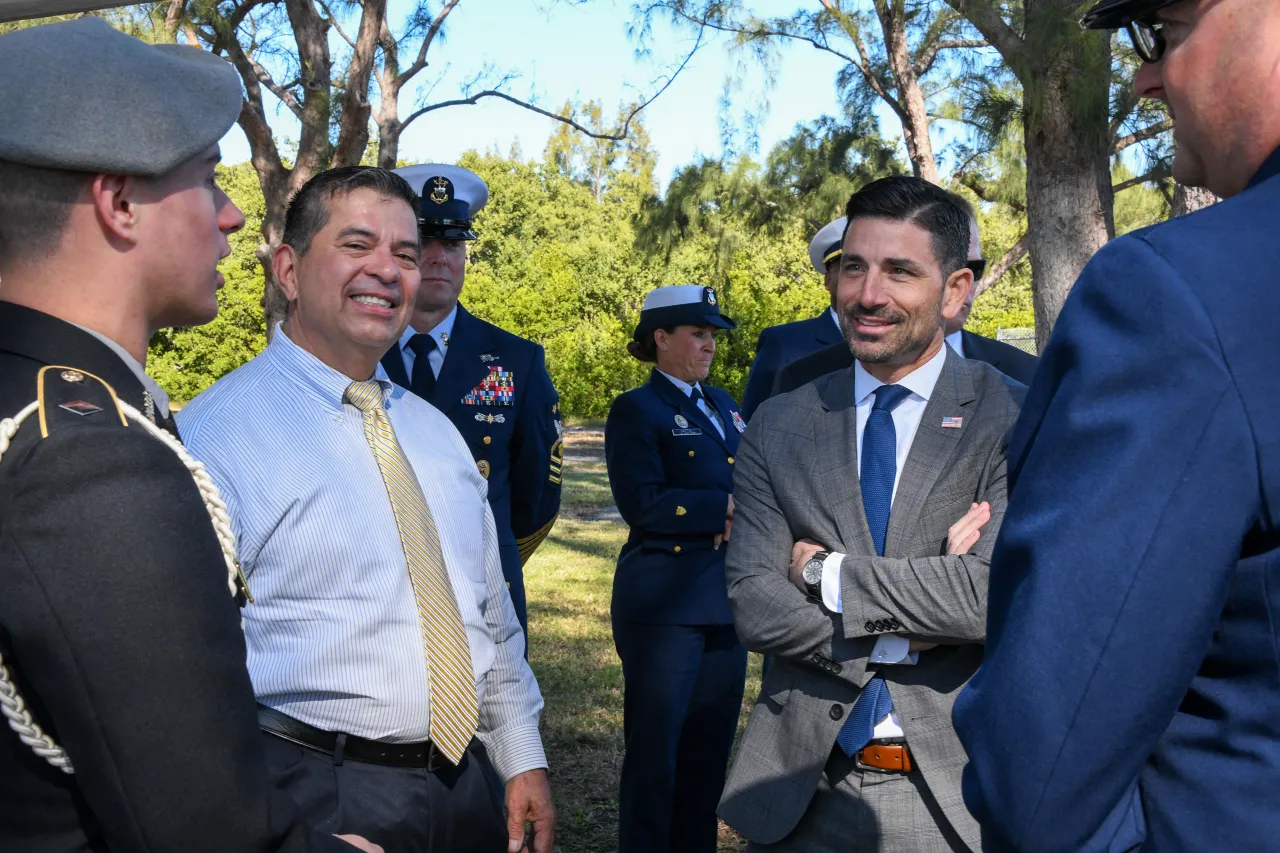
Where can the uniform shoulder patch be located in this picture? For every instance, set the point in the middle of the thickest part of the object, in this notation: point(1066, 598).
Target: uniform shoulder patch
point(68, 396)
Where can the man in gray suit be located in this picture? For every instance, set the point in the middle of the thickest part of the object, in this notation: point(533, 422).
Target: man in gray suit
point(866, 504)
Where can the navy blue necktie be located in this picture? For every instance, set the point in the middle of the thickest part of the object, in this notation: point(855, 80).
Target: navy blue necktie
point(876, 474)
point(423, 381)
point(708, 408)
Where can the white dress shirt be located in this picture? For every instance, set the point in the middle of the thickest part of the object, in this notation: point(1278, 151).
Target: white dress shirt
point(717, 419)
point(835, 318)
point(955, 340)
point(333, 634)
point(441, 333)
point(889, 648)
point(158, 396)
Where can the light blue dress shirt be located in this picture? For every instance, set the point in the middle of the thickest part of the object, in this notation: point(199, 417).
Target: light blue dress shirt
point(333, 634)
point(435, 358)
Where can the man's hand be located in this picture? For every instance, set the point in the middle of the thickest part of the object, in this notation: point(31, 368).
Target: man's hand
point(361, 843)
point(964, 534)
point(728, 527)
point(529, 800)
point(801, 553)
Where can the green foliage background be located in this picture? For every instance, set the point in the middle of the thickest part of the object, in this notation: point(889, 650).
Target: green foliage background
point(570, 246)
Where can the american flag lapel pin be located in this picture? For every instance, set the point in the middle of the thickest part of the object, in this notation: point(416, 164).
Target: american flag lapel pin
point(952, 423)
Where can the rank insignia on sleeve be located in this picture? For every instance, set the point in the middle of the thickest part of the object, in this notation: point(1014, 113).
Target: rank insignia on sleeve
point(80, 407)
point(497, 389)
point(738, 423)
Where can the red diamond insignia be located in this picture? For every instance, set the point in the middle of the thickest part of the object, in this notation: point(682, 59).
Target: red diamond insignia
point(81, 407)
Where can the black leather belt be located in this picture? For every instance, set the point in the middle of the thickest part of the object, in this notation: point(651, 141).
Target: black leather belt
point(424, 755)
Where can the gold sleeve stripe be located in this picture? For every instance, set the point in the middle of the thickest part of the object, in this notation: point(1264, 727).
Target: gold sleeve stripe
point(530, 543)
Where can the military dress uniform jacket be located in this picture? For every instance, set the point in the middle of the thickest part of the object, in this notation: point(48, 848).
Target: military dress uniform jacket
point(118, 625)
point(778, 346)
point(671, 474)
point(494, 387)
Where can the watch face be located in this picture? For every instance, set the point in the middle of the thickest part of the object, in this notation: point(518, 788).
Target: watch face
point(813, 572)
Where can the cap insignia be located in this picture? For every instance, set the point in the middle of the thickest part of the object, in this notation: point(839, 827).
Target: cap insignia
point(441, 190)
point(711, 296)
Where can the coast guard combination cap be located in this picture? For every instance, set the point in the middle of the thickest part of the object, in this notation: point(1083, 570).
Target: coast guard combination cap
point(681, 304)
point(1115, 14)
point(449, 197)
point(84, 97)
point(827, 245)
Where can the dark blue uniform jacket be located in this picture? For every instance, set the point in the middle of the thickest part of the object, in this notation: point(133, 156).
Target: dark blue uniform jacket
point(514, 433)
point(671, 475)
point(778, 346)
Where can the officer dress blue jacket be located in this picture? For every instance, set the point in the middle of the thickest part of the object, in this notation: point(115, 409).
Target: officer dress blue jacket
point(671, 474)
point(494, 387)
point(778, 346)
point(1130, 696)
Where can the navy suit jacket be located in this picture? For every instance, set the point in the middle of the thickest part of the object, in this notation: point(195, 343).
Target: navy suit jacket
point(778, 346)
point(671, 474)
point(1130, 696)
point(517, 444)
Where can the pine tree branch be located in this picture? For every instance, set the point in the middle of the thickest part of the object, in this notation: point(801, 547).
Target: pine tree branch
point(420, 62)
point(333, 22)
point(924, 62)
point(987, 20)
point(1140, 135)
point(1156, 174)
point(1007, 261)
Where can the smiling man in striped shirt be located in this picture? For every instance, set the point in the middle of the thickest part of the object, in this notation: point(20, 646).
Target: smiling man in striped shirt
point(383, 646)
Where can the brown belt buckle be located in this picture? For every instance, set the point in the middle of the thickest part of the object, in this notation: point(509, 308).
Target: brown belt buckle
point(884, 757)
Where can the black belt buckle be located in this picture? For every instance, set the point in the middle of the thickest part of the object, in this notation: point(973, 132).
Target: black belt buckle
point(435, 760)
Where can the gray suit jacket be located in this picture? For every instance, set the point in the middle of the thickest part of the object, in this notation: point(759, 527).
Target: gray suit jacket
point(796, 477)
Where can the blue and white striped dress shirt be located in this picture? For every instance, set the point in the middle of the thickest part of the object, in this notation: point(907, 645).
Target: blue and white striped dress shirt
point(333, 633)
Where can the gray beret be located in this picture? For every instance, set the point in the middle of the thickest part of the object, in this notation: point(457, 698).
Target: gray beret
point(85, 97)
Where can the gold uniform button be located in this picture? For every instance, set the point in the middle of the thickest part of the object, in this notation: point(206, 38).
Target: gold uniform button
point(681, 510)
point(730, 460)
point(690, 452)
point(677, 549)
point(488, 440)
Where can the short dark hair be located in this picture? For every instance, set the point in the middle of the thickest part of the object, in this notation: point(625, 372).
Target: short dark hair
point(309, 208)
point(35, 207)
point(909, 199)
point(963, 203)
point(646, 348)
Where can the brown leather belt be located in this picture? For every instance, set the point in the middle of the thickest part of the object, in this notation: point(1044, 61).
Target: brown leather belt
point(423, 755)
point(884, 758)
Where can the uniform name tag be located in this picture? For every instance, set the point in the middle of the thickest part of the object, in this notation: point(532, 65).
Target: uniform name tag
point(686, 432)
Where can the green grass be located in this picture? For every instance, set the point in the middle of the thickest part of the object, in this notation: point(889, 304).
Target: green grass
point(568, 583)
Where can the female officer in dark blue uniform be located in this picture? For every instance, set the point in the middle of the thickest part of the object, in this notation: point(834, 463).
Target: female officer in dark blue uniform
point(669, 445)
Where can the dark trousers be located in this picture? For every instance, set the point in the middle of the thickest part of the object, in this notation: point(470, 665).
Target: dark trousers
point(513, 573)
point(406, 810)
point(684, 688)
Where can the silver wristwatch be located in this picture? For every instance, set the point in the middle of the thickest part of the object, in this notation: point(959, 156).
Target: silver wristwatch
point(812, 574)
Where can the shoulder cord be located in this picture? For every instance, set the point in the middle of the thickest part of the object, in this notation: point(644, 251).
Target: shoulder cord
point(11, 703)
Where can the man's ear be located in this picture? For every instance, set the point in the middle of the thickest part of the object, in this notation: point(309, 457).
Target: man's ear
point(955, 291)
point(116, 202)
point(284, 264)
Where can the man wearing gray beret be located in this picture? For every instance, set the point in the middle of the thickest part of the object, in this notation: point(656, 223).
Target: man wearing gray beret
point(129, 719)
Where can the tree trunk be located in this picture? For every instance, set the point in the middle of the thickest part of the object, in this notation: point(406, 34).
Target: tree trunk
point(913, 112)
point(1190, 199)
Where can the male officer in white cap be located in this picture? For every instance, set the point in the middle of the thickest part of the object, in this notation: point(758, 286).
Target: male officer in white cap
point(778, 346)
point(491, 384)
point(130, 718)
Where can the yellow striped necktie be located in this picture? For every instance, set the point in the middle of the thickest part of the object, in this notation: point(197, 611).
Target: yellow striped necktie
point(454, 710)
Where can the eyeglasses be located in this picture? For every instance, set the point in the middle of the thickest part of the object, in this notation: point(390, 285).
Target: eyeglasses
point(978, 267)
point(1148, 39)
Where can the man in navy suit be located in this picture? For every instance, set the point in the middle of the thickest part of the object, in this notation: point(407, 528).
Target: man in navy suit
point(778, 346)
point(1130, 696)
point(491, 384)
point(1009, 360)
